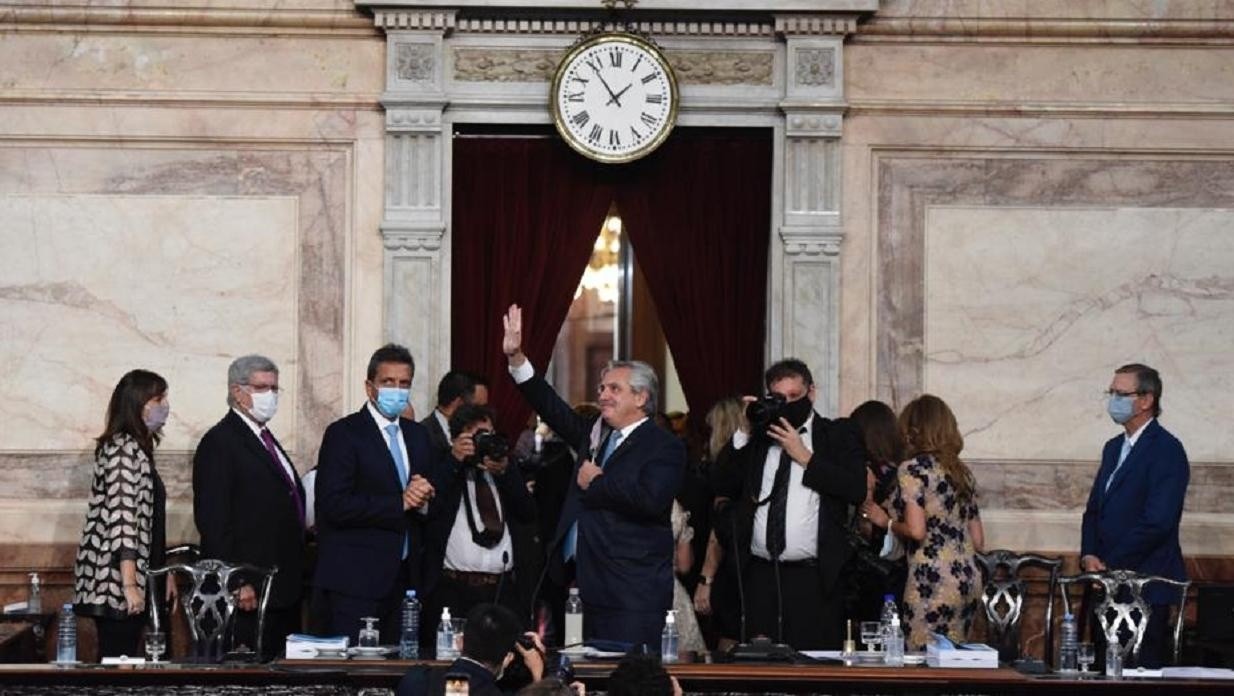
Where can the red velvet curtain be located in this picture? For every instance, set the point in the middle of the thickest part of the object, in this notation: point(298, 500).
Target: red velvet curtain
point(697, 213)
point(526, 213)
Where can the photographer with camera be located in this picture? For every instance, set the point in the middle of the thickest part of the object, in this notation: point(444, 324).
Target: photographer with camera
point(792, 481)
point(470, 551)
point(491, 644)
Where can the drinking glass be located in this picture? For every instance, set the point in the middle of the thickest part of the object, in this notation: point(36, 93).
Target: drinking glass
point(871, 634)
point(458, 625)
point(1085, 655)
point(370, 637)
point(156, 644)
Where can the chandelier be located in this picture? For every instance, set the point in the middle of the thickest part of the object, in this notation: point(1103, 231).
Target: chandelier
point(603, 272)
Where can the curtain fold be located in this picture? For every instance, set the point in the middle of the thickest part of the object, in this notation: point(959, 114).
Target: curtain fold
point(697, 214)
point(526, 214)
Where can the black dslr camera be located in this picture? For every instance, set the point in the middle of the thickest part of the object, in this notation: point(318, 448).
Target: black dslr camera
point(765, 411)
point(490, 444)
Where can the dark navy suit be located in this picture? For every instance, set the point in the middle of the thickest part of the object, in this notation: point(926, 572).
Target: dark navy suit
point(361, 523)
point(1134, 525)
point(625, 540)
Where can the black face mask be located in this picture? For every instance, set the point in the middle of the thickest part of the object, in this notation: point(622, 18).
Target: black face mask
point(798, 412)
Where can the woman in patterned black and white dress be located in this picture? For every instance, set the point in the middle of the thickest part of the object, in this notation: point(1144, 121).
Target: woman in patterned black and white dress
point(126, 520)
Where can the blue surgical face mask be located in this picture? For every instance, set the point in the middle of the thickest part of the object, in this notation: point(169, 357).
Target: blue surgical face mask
point(1121, 408)
point(391, 401)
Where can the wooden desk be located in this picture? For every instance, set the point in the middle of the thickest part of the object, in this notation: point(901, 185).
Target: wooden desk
point(347, 678)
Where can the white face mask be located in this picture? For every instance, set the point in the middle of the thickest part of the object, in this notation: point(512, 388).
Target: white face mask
point(265, 405)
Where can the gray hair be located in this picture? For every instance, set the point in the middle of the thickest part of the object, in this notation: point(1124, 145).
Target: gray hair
point(642, 380)
point(241, 371)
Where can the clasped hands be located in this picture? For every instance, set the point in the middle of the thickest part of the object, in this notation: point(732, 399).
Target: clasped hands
point(417, 493)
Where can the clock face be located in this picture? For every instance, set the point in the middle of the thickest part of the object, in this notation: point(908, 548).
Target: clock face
point(614, 98)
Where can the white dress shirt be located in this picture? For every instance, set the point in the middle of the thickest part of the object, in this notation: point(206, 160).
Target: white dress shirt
point(801, 518)
point(444, 423)
point(381, 421)
point(252, 424)
point(462, 552)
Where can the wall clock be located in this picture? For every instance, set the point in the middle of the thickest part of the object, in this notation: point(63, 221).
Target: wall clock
point(614, 97)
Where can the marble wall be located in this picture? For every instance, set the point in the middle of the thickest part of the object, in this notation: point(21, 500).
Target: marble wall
point(1032, 198)
point(173, 199)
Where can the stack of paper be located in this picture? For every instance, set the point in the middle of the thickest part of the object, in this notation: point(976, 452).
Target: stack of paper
point(301, 646)
point(941, 652)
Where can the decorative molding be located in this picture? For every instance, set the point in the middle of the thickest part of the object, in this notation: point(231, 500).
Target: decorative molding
point(1207, 110)
point(315, 101)
point(538, 25)
point(811, 241)
point(502, 65)
point(809, 124)
point(724, 67)
point(441, 21)
point(396, 237)
point(816, 67)
point(1046, 30)
point(412, 120)
point(184, 19)
point(415, 61)
point(538, 65)
point(815, 25)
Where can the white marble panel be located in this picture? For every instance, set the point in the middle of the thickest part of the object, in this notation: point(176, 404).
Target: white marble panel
point(1029, 310)
point(94, 285)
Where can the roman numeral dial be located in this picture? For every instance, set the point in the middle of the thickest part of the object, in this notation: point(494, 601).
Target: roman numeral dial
point(614, 97)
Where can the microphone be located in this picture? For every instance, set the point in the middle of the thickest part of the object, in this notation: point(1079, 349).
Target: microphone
point(501, 579)
point(759, 649)
point(535, 592)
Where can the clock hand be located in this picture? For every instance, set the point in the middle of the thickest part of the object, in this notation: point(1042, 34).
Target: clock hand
point(613, 97)
point(617, 97)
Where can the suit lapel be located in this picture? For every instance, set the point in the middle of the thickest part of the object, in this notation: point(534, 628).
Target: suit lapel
point(255, 446)
point(376, 439)
point(1133, 457)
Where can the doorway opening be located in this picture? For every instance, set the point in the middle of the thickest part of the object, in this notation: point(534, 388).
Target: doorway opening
point(612, 317)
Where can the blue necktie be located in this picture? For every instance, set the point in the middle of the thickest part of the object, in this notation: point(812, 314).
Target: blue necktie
point(397, 453)
point(1122, 457)
point(569, 545)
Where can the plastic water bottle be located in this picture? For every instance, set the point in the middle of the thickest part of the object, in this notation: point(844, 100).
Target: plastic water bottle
point(668, 638)
point(893, 643)
point(1068, 645)
point(35, 604)
point(409, 639)
point(574, 619)
point(445, 637)
point(66, 636)
point(889, 610)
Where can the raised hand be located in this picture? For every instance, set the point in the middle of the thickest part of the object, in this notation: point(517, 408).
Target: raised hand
point(512, 340)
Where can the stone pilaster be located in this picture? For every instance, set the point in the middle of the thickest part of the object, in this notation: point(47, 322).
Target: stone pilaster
point(806, 276)
point(417, 257)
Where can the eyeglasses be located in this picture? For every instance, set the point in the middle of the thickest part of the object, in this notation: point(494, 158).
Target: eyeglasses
point(1114, 392)
point(261, 388)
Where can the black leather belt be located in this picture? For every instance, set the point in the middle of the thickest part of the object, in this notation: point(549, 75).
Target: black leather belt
point(471, 578)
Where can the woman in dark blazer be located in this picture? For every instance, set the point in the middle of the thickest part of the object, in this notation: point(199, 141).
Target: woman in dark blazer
point(125, 526)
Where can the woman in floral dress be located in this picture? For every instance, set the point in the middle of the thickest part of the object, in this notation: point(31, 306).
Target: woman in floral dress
point(940, 523)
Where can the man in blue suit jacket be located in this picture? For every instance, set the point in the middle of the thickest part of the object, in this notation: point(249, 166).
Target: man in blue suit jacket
point(615, 521)
point(1132, 518)
point(372, 491)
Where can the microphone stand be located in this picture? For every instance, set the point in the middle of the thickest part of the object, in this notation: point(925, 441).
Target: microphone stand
point(759, 649)
point(501, 579)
